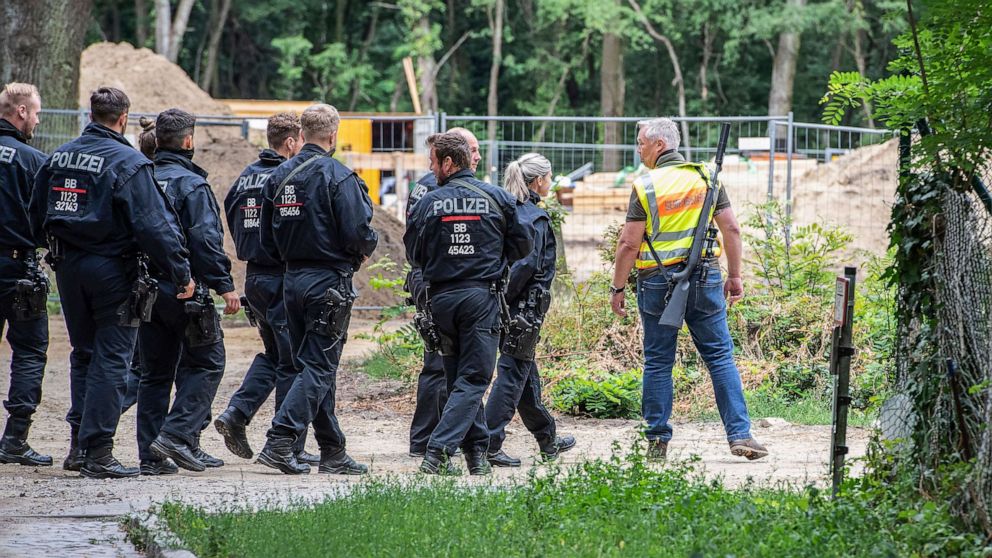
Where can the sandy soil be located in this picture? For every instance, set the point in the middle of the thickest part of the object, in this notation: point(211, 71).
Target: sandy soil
point(374, 415)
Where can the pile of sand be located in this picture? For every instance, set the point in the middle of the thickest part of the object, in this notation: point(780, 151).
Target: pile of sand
point(855, 191)
point(151, 82)
point(154, 84)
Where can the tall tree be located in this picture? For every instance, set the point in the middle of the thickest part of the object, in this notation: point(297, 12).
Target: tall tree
point(492, 103)
point(612, 87)
point(784, 66)
point(169, 29)
point(218, 17)
point(40, 43)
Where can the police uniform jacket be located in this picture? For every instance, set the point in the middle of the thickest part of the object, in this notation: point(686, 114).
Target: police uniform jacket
point(537, 268)
point(456, 235)
point(185, 185)
point(19, 162)
point(415, 279)
point(97, 194)
point(243, 208)
point(321, 216)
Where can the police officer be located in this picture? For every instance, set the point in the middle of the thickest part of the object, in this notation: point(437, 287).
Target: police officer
point(273, 368)
point(316, 217)
point(97, 200)
point(463, 235)
point(26, 320)
point(183, 343)
point(432, 392)
point(528, 292)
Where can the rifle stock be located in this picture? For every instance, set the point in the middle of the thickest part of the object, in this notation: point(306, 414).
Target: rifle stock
point(678, 299)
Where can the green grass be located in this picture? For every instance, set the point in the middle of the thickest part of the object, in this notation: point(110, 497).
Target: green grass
point(809, 410)
point(618, 508)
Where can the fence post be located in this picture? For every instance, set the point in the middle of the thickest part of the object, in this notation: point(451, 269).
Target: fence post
point(788, 179)
point(772, 125)
point(841, 352)
point(82, 119)
point(442, 122)
point(244, 128)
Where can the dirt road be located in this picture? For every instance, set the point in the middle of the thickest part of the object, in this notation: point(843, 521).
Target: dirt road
point(56, 509)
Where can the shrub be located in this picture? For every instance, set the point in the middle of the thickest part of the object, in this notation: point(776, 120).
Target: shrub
point(603, 395)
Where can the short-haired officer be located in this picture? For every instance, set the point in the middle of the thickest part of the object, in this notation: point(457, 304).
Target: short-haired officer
point(97, 200)
point(272, 369)
point(462, 236)
point(316, 217)
point(432, 391)
point(23, 287)
point(183, 343)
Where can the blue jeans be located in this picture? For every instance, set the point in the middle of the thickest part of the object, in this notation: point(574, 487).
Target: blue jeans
point(706, 317)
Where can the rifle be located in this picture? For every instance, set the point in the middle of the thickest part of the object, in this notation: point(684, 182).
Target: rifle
point(678, 292)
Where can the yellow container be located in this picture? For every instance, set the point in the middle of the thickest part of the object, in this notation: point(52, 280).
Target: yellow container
point(355, 136)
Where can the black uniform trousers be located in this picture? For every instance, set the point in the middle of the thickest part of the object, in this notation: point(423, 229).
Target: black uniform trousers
point(167, 358)
point(28, 344)
point(311, 397)
point(432, 394)
point(273, 368)
point(92, 288)
point(470, 317)
point(517, 389)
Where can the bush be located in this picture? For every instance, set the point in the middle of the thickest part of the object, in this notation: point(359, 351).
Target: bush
point(604, 395)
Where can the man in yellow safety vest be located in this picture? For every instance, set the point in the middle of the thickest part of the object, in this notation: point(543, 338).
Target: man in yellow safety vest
point(665, 206)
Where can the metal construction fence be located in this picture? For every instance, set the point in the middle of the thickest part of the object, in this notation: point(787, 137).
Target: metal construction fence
point(831, 175)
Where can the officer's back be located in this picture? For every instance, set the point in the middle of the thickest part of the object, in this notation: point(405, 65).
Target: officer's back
point(317, 211)
point(19, 162)
point(96, 194)
point(243, 208)
point(465, 230)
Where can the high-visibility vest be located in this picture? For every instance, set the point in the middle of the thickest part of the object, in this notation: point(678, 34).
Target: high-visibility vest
point(672, 197)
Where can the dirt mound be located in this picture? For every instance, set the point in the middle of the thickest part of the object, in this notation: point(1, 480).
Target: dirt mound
point(151, 82)
point(855, 191)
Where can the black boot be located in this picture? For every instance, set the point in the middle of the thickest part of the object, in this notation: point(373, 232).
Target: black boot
point(551, 449)
point(231, 425)
point(166, 446)
point(436, 462)
point(477, 463)
point(14, 446)
point(278, 454)
point(338, 462)
point(303, 456)
point(159, 467)
point(100, 463)
point(209, 461)
point(500, 459)
point(74, 459)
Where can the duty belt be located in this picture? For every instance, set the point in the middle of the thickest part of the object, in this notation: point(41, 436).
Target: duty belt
point(438, 288)
point(259, 269)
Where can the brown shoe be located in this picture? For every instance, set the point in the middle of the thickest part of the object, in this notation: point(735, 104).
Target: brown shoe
point(657, 450)
point(749, 448)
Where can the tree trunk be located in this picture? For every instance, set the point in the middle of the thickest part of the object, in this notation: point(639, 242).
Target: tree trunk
point(40, 43)
point(163, 26)
point(784, 69)
point(492, 103)
point(426, 69)
point(612, 92)
point(363, 55)
point(179, 29)
point(340, 11)
point(704, 91)
point(216, 32)
point(140, 22)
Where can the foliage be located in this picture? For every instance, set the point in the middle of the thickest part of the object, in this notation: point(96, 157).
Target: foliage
point(552, 51)
point(602, 396)
point(399, 350)
point(619, 507)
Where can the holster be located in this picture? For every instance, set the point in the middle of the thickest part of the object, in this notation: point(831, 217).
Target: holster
point(332, 314)
point(55, 252)
point(31, 293)
point(203, 327)
point(249, 312)
point(524, 332)
point(434, 340)
point(139, 304)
